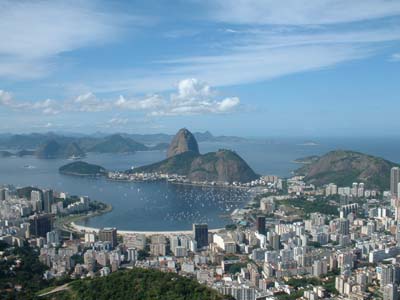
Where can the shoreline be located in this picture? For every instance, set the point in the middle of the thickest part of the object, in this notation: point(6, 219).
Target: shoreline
point(69, 223)
point(205, 185)
point(65, 223)
point(84, 229)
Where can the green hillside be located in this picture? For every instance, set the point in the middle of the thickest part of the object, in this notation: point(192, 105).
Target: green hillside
point(345, 167)
point(140, 284)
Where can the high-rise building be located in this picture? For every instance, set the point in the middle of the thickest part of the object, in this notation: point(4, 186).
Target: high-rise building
point(108, 235)
point(2, 194)
point(390, 292)
point(260, 224)
point(48, 200)
point(275, 241)
point(387, 275)
point(40, 225)
point(53, 237)
point(36, 199)
point(344, 226)
point(200, 234)
point(394, 181)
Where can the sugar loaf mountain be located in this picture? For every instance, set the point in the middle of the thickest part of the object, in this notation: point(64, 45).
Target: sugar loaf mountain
point(184, 158)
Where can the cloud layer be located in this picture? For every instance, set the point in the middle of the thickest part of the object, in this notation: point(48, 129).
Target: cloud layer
point(34, 33)
point(193, 97)
point(300, 12)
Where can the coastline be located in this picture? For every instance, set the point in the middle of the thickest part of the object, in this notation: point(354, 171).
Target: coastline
point(69, 223)
point(83, 229)
point(65, 223)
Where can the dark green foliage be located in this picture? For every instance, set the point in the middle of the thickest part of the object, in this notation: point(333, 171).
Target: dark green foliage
point(28, 274)
point(235, 268)
point(296, 283)
point(292, 296)
point(141, 284)
point(319, 205)
point(142, 254)
point(314, 244)
point(82, 168)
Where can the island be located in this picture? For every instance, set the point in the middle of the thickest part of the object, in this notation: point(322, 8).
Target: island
point(81, 168)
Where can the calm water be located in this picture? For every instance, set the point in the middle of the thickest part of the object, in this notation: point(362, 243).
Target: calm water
point(162, 206)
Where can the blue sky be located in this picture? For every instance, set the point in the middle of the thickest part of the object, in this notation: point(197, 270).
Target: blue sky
point(251, 68)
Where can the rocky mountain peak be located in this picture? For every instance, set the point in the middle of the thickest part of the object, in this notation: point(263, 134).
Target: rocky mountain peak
point(183, 141)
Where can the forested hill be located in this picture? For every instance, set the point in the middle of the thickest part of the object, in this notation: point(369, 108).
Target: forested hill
point(140, 284)
point(345, 167)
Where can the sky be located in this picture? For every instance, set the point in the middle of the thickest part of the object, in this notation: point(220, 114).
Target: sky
point(247, 68)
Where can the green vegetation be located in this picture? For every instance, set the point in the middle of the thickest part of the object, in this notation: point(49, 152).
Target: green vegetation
point(296, 282)
point(28, 274)
point(293, 296)
point(178, 164)
point(235, 268)
point(81, 168)
point(345, 167)
point(140, 284)
point(318, 205)
point(221, 166)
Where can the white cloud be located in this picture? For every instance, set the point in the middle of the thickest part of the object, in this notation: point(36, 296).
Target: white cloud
point(118, 121)
point(260, 54)
point(5, 98)
point(34, 33)
point(150, 102)
point(88, 102)
point(395, 57)
point(196, 97)
point(266, 54)
point(47, 106)
point(300, 12)
point(192, 97)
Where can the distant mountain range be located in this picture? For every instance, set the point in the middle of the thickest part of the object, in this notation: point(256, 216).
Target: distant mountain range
point(184, 158)
point(51, 145)
point(345, 167)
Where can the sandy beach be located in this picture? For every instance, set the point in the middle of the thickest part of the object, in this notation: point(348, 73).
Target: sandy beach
point(82, 229)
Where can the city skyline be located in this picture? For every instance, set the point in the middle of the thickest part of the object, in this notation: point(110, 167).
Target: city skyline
point(219, 66)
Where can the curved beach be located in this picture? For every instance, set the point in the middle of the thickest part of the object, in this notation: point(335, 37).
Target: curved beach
point(81, 229)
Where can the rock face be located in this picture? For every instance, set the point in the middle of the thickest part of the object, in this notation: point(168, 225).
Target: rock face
point(221, 166)
point(345, 167)
point(183, 141)
point(184, 159)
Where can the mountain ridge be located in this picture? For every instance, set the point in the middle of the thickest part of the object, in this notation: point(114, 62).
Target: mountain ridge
point(343, 167)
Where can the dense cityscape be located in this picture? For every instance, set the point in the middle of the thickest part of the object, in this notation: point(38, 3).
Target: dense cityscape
point(282, 245)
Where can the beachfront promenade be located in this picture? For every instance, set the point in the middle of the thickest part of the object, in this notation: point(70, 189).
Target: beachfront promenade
point(79, 228)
